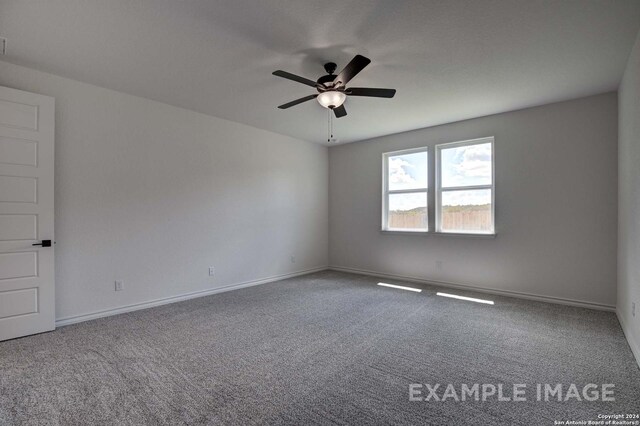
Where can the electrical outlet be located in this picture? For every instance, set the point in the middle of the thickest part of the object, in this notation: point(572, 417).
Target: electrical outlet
point(119, 285)
point(293, 259)
point(633, 309)
point(212, 271)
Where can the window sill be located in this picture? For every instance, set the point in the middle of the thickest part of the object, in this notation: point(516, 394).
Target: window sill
point(439, 234)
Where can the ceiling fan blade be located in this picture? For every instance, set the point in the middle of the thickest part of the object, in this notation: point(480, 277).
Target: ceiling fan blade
point(294, 77)
point(297, 101)
point(340, 111)
point(356, 65)
point(370, 91)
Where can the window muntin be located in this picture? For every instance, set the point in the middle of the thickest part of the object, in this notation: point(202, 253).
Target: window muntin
point(405, 190)
point(465, 187)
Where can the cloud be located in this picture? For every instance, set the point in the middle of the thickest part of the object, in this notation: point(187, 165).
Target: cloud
point(398, 171)
point(467, 165)
point(475, 161)
point(477, 153)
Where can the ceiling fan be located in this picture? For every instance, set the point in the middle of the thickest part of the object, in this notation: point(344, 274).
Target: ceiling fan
point(332, 90)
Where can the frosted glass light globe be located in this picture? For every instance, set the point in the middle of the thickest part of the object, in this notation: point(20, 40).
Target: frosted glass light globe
point(331, 98)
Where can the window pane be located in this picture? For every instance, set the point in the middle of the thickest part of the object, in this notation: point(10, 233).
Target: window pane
point(466, 211)
point(407, 171)
point(407, 211)
point(466, 165)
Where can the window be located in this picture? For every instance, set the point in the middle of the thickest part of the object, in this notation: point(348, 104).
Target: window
point(405, 191)
point(465, 187)
point(463, 202)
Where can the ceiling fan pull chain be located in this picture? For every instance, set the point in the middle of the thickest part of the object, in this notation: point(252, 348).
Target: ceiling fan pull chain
point(328, 125)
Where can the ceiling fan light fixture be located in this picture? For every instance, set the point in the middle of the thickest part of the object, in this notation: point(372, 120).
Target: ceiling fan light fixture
point(331, 98)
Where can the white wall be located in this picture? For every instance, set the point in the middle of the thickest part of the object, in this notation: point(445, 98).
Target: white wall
point(629, 200)
point(153, 195)
point(556, 205)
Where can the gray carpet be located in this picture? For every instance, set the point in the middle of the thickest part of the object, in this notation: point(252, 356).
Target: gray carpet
point(326, 348)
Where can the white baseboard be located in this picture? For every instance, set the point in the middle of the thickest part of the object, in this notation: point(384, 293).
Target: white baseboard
point(179, 298)
point(635, 347)
point(499, 292)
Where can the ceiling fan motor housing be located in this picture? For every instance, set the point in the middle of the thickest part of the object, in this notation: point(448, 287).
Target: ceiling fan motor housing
point(327, 80)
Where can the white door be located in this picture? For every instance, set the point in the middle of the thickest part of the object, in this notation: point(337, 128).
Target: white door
point(27, 298)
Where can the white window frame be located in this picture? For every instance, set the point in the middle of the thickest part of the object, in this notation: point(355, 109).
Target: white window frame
point(439, 189)
point(386, 192)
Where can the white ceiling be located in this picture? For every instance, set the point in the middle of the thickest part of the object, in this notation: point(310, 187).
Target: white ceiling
point(449, 60)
